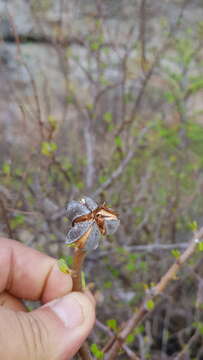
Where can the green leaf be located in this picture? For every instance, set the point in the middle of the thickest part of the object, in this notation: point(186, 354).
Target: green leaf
point(194, 133)
point(52, 121)
point(63, 266)
point(105, 50)
point(150, 304)
point(69, 52)
point(72, 245)
point(130, 338)
point(110, 127)
point(80, 185)
point(6, 168)
point(67, 165)
point(131, 266)
point(104, 81)
point(176, 253)
point(107, 117)
point(139, 330)
point(70, 99)
point(17, 221)
point(169, 96)
point(108, 284)
point(134, 257)
point(48, 148)
point(96, 351)
point(18, 171)
point(193, 225)
point(89, 106)
point(199, 326)
point(120, 250)
point(83, 280)
point(112, 324)
point(115, 272)
point(94, 46)
point(69, 260)
point(195, 85)
point(102, 179)
point(143, 265)
point(128, 97)
point(200, 246)
point(118, 141)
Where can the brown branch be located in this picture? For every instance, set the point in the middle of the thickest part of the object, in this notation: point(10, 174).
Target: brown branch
point(193, 339)
point(118, 172)
point(56, 162)
point(89, 141)
point(155, 247)
point(187, 345)
point(116, 342)
point(150, 72)
point(90, 157)
point(32, 80)
point(143, 33)
point(6, 217)
point(78, 260)
point(128, 351)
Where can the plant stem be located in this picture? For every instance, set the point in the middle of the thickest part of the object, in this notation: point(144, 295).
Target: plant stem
point(78, 260)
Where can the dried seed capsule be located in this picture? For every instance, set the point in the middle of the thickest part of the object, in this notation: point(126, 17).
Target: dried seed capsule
point(89, 203)
point(77, 231)
point(111, 225)
point(76, 209)
point(89, 221)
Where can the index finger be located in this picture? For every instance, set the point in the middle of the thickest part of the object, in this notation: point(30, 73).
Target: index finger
point(29, 274)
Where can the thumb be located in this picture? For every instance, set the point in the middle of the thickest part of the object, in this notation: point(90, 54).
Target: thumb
point(53, 332)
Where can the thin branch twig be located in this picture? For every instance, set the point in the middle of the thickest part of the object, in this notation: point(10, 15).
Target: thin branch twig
point(128, 351)
point(115, 343)
point(156, 247)
point(116, 173)
point(6, 217)
point(150, 72)
point(143, 33)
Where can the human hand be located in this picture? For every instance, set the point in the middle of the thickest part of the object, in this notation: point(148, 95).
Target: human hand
point(56, 330)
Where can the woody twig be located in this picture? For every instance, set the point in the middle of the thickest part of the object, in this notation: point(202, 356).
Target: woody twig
point(78, 260)
point(112, 348)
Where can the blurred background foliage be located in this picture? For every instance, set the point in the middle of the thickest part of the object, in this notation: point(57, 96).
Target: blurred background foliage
point(104, 98)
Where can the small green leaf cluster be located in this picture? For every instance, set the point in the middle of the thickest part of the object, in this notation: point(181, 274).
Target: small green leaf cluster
point(176, 253)
point(96, 351)
point(112, 324)
point(16, 221)
point(199, 326)
point(48, 148)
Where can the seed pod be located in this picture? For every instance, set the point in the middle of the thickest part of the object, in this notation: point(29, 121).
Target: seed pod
point(89, 221)
point(111, 225)
point(89, 203)
point(76, 209)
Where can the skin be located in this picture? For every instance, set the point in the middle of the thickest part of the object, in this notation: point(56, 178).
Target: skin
point(47, 333)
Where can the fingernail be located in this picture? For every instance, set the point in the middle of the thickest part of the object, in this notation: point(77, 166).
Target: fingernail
point(69, 310)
